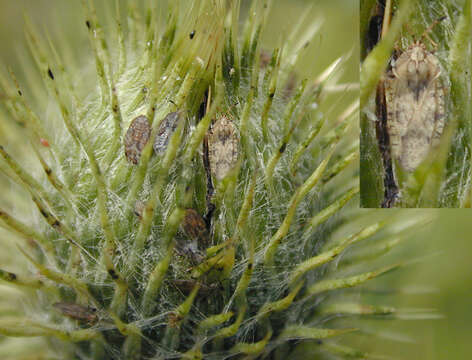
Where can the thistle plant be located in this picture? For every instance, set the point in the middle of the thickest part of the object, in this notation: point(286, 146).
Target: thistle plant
point(443, 178)
point(183, 196)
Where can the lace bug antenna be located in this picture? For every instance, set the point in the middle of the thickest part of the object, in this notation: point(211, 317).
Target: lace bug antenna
point(429, 29)
point(425, 34)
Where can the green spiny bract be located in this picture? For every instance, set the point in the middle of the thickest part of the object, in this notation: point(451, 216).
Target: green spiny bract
point(164, 258)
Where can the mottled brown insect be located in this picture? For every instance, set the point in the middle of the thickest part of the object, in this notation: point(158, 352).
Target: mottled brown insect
point(136, 138)
point(77, 312)
point(166, 129)
point(414, 96)
point(223, 147)
point(187, 285)
point(195, 228)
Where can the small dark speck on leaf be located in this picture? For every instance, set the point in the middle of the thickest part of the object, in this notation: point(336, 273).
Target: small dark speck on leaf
point(113, 274)
point(51, 75)
point(12, 276)
point(192, 35)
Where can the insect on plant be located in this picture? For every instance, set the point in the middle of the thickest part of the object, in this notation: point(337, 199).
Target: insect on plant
point(195, 228)
point(78, 312)
point(223, 147)
point(166, 129)
point(410, 107)
point(136, 137)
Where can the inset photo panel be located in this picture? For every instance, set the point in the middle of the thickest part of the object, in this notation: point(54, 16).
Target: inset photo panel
point(416, 106)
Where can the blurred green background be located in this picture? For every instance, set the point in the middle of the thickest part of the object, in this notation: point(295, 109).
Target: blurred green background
point(444, 248)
